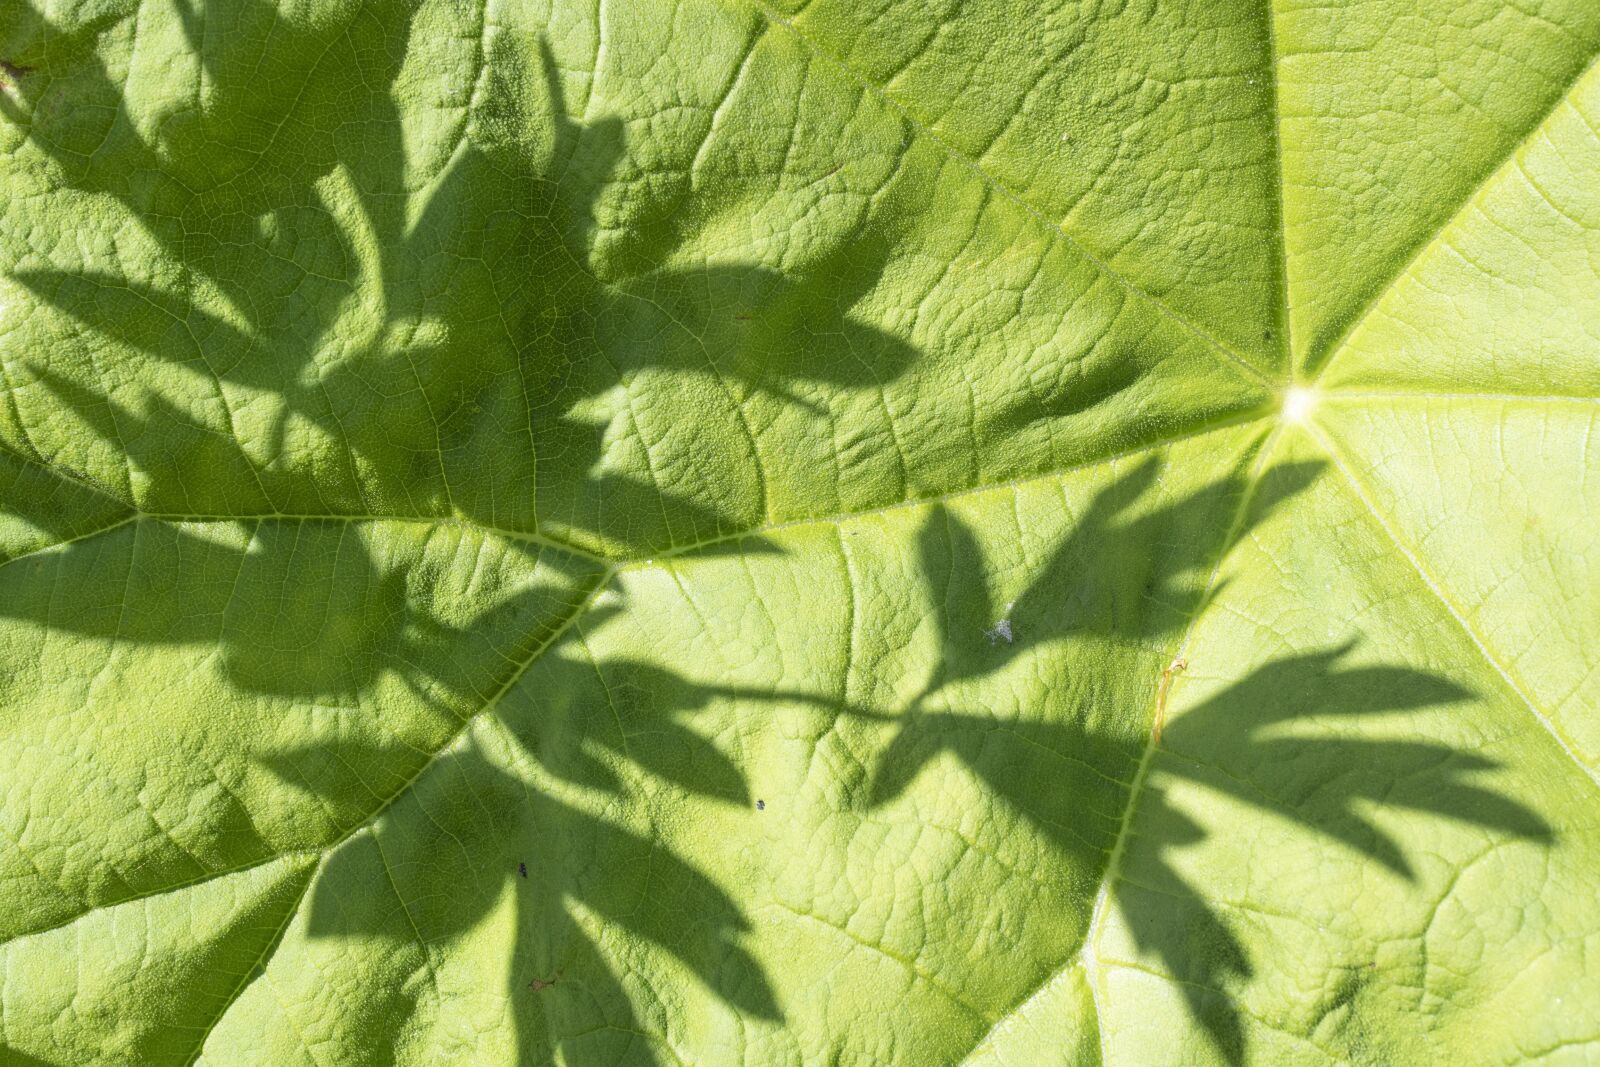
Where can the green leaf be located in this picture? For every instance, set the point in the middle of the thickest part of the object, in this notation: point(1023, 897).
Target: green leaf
point(717, 531)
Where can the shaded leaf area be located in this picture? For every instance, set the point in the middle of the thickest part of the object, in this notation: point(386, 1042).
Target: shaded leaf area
point(400, 362)
point(397, 360)
point(485, 841)
point(308, 610)
point(324, 625)
point(319, 336)
point(536, 822)
point(1286, 739)
point(435, 353)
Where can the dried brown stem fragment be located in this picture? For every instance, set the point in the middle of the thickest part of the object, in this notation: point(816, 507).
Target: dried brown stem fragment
point(1173, 668)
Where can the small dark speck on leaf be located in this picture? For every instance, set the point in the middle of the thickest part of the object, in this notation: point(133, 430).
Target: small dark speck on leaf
point(543, 983)
point(12, 72)
point(744, 318)
point(522, 869)
point(1266, 335)
point(761, 805)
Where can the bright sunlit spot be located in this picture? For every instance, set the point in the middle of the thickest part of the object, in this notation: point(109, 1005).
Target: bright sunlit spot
point(1298, 402)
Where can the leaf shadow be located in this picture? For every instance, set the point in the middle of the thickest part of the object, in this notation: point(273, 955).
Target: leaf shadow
point(541, 340)
point(1294, 723)
point(487, 826)
point(265, 250)
point(484, 321)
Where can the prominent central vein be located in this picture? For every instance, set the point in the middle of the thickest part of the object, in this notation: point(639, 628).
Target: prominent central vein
point(1087, 953)
point(1085, 956)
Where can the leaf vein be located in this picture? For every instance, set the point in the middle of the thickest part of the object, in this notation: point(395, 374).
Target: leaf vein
point(1230, 358)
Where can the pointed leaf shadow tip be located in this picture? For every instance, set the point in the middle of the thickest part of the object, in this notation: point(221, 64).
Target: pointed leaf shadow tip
point(897, 766)
point(1122, 493)
point(562, 124)
point(701, 768)
point(1283, 482)
point(1383, 848)
point(753, 995)
point(1489, 809)
point(596, 615)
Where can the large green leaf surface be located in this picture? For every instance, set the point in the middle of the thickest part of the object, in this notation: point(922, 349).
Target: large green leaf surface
point(755, 532)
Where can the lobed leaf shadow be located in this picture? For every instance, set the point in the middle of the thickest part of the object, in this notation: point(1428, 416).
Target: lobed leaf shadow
point(319, 241)
point(478, 322)
point(497, 827)
point(481, 829)
point(1320, 776)
point(274, 247)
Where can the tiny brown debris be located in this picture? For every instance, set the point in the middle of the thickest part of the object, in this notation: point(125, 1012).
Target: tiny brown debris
point(1173, 668)
point(544, 983)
